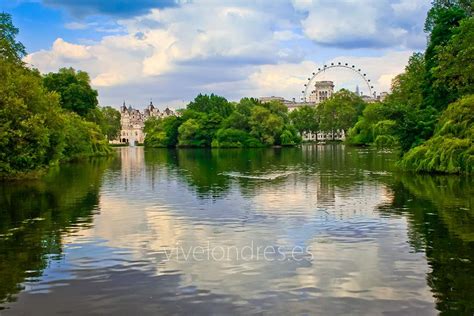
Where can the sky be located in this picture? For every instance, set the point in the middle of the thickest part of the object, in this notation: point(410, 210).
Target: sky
point(169, 51)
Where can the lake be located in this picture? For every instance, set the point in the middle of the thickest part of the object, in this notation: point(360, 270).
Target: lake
point(317, 229)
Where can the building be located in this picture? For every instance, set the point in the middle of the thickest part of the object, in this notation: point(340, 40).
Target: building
point(323, 90)
point(382, 96)
point(133, 122)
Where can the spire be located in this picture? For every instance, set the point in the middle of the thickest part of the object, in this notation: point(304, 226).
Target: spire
point(151, 107)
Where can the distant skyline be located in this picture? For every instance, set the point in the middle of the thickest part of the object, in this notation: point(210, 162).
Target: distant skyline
point(169, 51)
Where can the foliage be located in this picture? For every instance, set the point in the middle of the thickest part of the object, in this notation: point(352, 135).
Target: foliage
point(35, 132)
point(30, 119)
point(451, 149)
point(74, 90)
point(231, 137)
point(189, 134)
point(340, 112)
point(305, 119)
point(407, 87)
point(10, 49)
point(211, 104)
point(442, 21)
point(455, 69)
point(363, 132)
point(162, 132)
point(212, 121)
point(83, 138)
point(108, 120)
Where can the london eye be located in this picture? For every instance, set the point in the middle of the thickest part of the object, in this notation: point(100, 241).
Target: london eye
point(315, 75)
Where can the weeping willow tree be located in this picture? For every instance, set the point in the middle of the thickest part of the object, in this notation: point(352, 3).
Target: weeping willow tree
point(451, 149)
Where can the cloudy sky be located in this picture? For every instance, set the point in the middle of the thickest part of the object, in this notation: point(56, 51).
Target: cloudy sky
point(171, 50)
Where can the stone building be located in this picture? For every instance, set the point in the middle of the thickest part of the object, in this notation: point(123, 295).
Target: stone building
point(133, 122)
point(323, 90)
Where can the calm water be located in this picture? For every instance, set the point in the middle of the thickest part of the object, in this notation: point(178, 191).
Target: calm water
point(310, 230)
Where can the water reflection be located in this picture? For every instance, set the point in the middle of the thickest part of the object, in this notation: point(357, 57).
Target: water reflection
point(377, 241)
point(441, 216)
point(36, 215)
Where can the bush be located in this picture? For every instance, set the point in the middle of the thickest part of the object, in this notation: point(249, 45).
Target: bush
point(451, 149)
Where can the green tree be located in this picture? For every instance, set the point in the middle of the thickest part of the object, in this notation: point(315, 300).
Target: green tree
point(451, 149)
point(305, 119)
point(188, 134)
point(340, 112)
point(442, 20)
point(111, 125)
point(74, 89)
point(10, 48)
point(265, 125)
point(455, 70)
point(211, 104)
point(407, 87)
point(30, 121)
point(365, 131)
point(162, 132)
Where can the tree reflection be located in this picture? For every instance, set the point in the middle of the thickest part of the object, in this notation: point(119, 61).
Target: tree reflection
point(34, 215)
point(441, 216)
point(207, 170)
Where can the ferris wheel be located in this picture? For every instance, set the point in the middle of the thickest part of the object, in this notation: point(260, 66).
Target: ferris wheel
point(312, 80)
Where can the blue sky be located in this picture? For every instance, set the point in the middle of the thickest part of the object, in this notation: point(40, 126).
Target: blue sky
point(171, 50)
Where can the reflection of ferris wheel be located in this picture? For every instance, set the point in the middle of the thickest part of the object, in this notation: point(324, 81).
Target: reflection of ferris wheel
point(312, 80)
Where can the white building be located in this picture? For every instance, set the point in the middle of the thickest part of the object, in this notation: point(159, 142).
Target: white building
point(133, 122)
point(323, 90)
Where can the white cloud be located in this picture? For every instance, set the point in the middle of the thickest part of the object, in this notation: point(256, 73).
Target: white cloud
point(76, 26)
point(243, 49)
point(364, 23)
point(288, 79)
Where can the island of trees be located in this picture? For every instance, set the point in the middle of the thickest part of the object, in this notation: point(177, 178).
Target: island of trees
point(428, 117)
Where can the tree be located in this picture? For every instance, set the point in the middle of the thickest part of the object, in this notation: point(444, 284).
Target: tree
point(406, 105)
point(305, 119)
point(30, 121)
point(455, 70)
point(451, 149)
point(340, 112)
point(265, 125)
point(188, 134)
point(211, 104)
point(111, 125)
point(367, 128)
point(10, 49)
point(442, 20)
point(407, 87)
point(74, 90)
point(162, 132)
